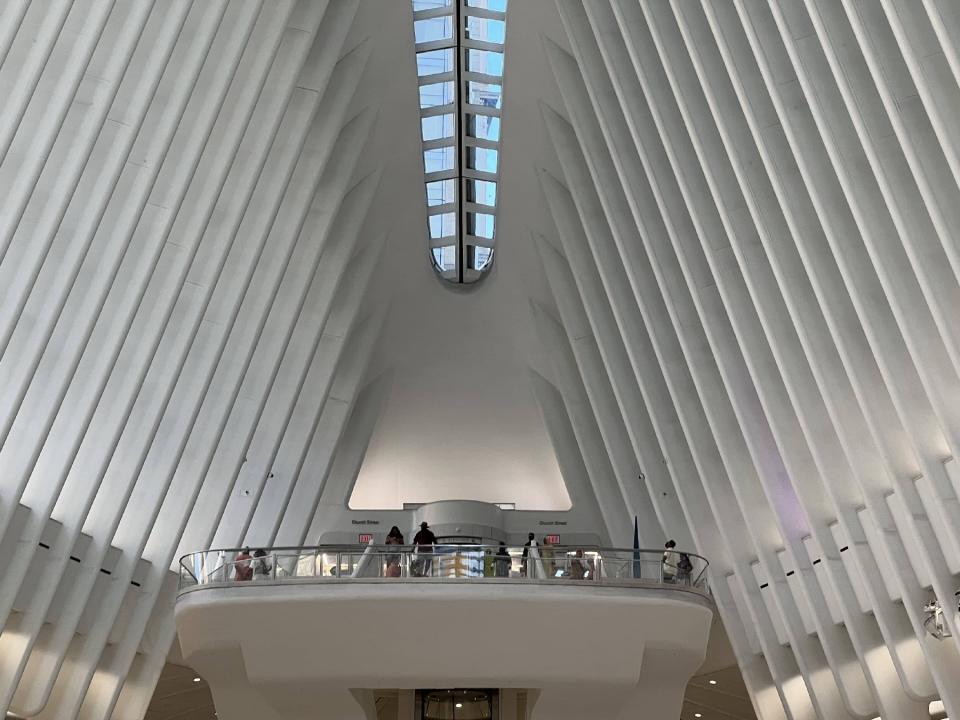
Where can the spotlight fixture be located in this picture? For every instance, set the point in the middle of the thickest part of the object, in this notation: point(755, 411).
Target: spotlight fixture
point(713, 682)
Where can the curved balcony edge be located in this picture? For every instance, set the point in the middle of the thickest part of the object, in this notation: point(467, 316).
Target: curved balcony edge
point(444, 564)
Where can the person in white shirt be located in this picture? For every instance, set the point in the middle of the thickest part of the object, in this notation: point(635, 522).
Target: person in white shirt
point(670, 560)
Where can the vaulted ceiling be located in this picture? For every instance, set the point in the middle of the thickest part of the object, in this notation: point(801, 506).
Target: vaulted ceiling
point(724, 302)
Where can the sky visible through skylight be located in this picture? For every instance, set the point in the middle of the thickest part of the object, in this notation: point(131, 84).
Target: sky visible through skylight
point(460, 64)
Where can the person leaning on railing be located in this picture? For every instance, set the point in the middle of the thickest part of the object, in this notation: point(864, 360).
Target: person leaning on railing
point(261, 566)
point(242, 570)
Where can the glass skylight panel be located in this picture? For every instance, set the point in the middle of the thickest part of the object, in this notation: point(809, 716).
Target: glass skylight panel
point(439, 159)
point(460, 63)
point(481, 225)
point(433, 29)
point(437, 94)
point(482, 159)
point(478, 257)
point(437, 127)
point(443, 225)
point(486, 62)
point(484, 94)
point(445, 257)
point(441, 192)
point(481, 192)
point(498, 5)
point(435, 62)
point(483, 127)
point(485, 29)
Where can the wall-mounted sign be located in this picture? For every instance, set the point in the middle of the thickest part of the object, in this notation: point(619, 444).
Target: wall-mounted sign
point(553, 522)
point(553, 539)
point(365, 538)
point(365, 522)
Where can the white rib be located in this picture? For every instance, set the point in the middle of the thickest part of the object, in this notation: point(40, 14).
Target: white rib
point(781, 211)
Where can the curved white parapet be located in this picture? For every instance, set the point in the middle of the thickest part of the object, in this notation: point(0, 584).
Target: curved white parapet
point(285, 651)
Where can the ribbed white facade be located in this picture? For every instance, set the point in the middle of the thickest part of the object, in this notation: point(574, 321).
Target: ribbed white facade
point(182, 274)
point(748, 243)
point(768, 191)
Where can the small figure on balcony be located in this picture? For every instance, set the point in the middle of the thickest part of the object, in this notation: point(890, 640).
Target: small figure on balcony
point(242, 570)
point(671, 559)
point(424, 540)
point(502, 561)
point(394, 537)
point(261, 566)
point(578, 568)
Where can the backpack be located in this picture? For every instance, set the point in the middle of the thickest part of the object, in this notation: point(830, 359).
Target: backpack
point(684, 564)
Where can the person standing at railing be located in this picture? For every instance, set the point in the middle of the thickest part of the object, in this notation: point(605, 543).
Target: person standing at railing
point(684, 569)
point(671, 559)
point(242, 570)
point(547, 555)
point(531, 542)
point(502, 561)
point(261, 566)
point(578, 570)
point(394, 537)
point(424, 540)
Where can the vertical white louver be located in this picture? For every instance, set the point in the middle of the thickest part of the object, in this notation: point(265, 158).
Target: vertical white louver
point(768, 196)
point(748, 223)
point(183, 263)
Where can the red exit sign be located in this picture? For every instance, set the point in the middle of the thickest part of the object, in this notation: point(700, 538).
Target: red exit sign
point(553, 539)
point(365, 538)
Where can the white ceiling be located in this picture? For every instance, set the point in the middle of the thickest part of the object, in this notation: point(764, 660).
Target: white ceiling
point(461, 420)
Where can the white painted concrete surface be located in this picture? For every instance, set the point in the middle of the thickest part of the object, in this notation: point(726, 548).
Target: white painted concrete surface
point(315, 651)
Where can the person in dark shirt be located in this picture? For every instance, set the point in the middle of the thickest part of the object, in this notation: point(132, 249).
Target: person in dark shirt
point(424, 542)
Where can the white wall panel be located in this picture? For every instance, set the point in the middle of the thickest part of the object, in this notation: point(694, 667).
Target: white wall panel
point(787, 173)
point(734, 305)
point(172, 173)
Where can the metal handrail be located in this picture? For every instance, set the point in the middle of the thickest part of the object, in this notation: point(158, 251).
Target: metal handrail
point(410, 547)
point(354, 561)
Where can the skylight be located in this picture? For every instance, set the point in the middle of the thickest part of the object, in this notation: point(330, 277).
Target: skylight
point(459, 46)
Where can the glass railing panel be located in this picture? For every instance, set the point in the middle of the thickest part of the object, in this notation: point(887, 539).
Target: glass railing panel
point(537, 563)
